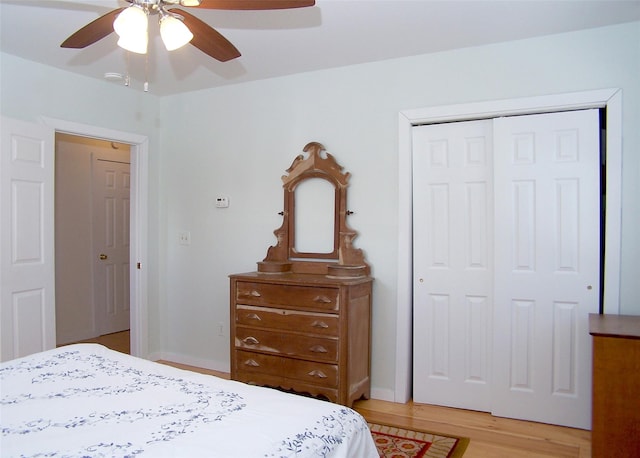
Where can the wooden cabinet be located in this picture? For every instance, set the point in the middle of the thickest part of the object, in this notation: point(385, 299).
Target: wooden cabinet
point(309, 333)
point(302, 322)
point(616, 385)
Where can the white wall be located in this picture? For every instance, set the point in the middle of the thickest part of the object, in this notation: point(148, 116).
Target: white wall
point(238, 140)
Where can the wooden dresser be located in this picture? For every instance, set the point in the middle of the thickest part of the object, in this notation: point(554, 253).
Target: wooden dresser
point(302, 332)
point(302, 322)
point(615, 427)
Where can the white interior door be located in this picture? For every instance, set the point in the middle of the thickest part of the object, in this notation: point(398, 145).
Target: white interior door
point(506, 332)
point(547, 258)
point(453, 219)
point(111, 209)
point(26, 239)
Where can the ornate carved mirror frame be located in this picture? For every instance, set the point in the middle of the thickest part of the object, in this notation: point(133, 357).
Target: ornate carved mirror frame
point(344, 260)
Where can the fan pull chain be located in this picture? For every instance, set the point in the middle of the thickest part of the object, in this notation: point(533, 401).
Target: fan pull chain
point(126, 78)
point(146, 72)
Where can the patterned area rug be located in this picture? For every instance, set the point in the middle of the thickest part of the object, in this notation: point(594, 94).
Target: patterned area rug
point(395, 442)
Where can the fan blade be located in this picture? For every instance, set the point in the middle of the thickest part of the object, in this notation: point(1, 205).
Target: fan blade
point(92, 32)
point(207, 39)
point(254, 4)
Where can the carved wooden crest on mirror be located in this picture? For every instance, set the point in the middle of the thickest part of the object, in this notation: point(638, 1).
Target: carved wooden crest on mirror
point(325, 185)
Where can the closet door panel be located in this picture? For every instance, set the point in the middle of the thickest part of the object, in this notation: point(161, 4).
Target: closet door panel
point(547, 265)
point(453, 207)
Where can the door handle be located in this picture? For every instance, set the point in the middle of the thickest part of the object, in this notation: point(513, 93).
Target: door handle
point(102, 256)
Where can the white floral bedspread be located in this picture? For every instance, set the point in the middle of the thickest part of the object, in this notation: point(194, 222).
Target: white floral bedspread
point(88, 401)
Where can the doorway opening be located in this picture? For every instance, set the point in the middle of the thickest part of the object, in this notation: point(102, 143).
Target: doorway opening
point(92, 184)
point(138, 275)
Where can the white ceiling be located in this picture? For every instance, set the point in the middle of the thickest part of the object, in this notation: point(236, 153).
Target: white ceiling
point(274, 43)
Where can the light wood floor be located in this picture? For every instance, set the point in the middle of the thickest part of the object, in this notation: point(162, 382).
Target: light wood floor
point(118, 341)
point(491, 437)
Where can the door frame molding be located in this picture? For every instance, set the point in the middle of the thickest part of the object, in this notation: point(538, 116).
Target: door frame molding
point(138, 220)
point(611, 99)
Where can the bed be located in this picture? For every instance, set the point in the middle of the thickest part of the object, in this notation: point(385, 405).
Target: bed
point(85, 400)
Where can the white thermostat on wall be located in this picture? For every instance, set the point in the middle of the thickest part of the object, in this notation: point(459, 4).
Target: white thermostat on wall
point(222, 202)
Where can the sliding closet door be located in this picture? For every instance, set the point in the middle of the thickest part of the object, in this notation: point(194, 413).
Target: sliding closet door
point(547, 265)
point(453, 213)
point(506, 253)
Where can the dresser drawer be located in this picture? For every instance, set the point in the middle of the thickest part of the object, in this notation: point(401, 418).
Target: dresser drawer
point(259, 363)
point(305, 371)
point(308, 322)
point(287, 295)
point(312, 372)
point(285, 344)
point(278, 381)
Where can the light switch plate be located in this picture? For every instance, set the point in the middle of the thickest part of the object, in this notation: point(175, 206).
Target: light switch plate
point(184, 238)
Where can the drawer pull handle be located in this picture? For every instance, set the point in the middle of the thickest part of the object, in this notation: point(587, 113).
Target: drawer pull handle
point(318, 349)
point(252, 363)
point(319, 324)
point(253, 316)
point(251, 340)
point(322, 300)
point(317, 373)
point(255, 293)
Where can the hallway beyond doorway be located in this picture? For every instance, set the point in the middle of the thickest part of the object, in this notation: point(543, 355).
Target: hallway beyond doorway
point(118, 341)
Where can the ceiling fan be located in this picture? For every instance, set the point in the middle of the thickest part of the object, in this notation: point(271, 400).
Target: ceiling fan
point(177, 27)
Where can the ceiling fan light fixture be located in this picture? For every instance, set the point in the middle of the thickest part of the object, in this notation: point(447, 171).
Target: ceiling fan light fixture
point(135, 42)
point(174, 32)
point(132, 20)
point(131, 24)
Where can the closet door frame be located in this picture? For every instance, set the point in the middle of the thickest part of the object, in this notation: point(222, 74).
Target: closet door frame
point(611, 99)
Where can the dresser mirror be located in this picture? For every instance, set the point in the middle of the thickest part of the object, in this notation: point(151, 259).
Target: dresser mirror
point(314, 236)
point(314, 216)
